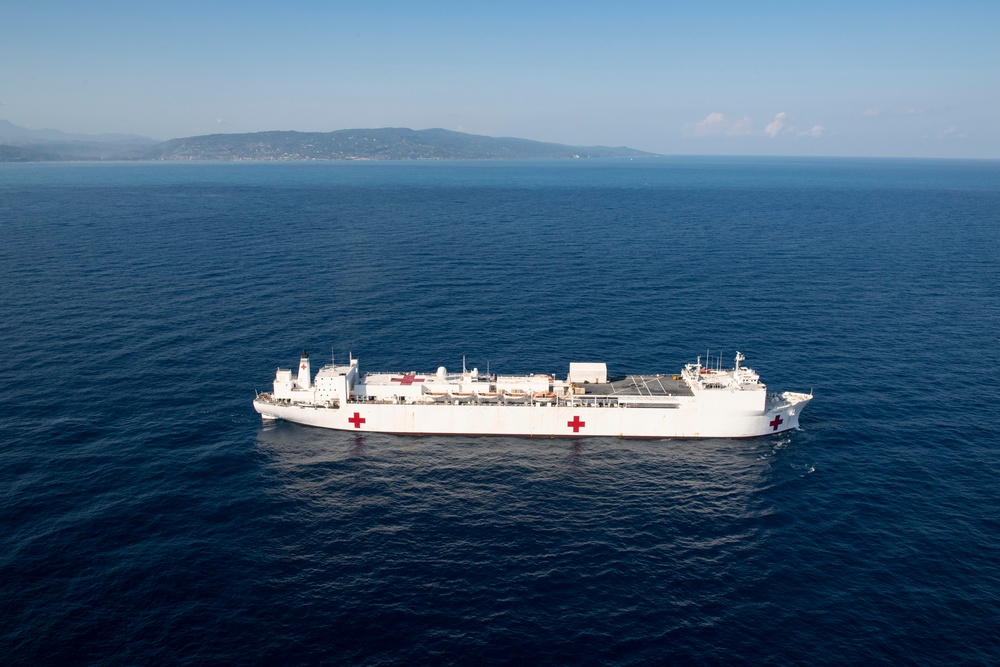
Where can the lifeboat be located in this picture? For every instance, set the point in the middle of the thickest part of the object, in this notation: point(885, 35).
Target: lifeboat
point(543, 397)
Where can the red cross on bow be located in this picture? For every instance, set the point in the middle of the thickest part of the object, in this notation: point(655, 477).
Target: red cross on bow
point(776, 422)
point(407, 379)
point(576, 424)
point(357, 420)
point(303, 367)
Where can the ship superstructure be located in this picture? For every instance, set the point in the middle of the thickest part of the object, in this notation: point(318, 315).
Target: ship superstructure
point(698, 402)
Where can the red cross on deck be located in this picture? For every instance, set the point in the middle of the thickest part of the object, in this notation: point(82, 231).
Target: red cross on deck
point(776, 422)
point(357, 420)
point(407, 379)
point(576, 424)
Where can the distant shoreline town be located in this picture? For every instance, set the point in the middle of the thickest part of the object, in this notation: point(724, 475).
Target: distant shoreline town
point(18, 144)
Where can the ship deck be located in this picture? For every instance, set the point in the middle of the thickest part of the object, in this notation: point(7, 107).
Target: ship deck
point(640, 385)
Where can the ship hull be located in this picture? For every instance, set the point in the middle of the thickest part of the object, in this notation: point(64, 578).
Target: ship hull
point(544, 420)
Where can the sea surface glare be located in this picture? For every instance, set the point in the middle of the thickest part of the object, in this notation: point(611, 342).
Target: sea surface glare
point(150, 517)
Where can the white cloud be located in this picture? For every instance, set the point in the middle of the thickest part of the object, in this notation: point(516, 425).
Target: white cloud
point(871, 113)
point(740, 127)
point(776, 125)
point(711, 124)
point(717, 123)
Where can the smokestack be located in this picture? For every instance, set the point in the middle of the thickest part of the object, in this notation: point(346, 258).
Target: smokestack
point(303, 379)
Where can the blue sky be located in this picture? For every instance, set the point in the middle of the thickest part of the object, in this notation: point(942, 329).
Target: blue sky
point(908, 79)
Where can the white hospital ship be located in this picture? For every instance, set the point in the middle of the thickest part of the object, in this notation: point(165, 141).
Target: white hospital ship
point(699, 402)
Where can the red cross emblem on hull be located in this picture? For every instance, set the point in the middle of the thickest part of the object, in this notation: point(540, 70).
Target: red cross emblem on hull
point(776, 422)
point(407, 379)
point(357, 420)
point(576, 424)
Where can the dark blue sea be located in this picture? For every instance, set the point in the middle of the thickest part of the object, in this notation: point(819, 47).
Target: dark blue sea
point(148, 516)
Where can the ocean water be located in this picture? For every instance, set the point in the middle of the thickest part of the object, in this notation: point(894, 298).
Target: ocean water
point(150, 517)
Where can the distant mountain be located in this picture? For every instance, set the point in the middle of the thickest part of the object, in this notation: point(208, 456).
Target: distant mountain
point(376, 144)
point(373, 144)
point(25, 154)
point(24, 145)
point(16, 135)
